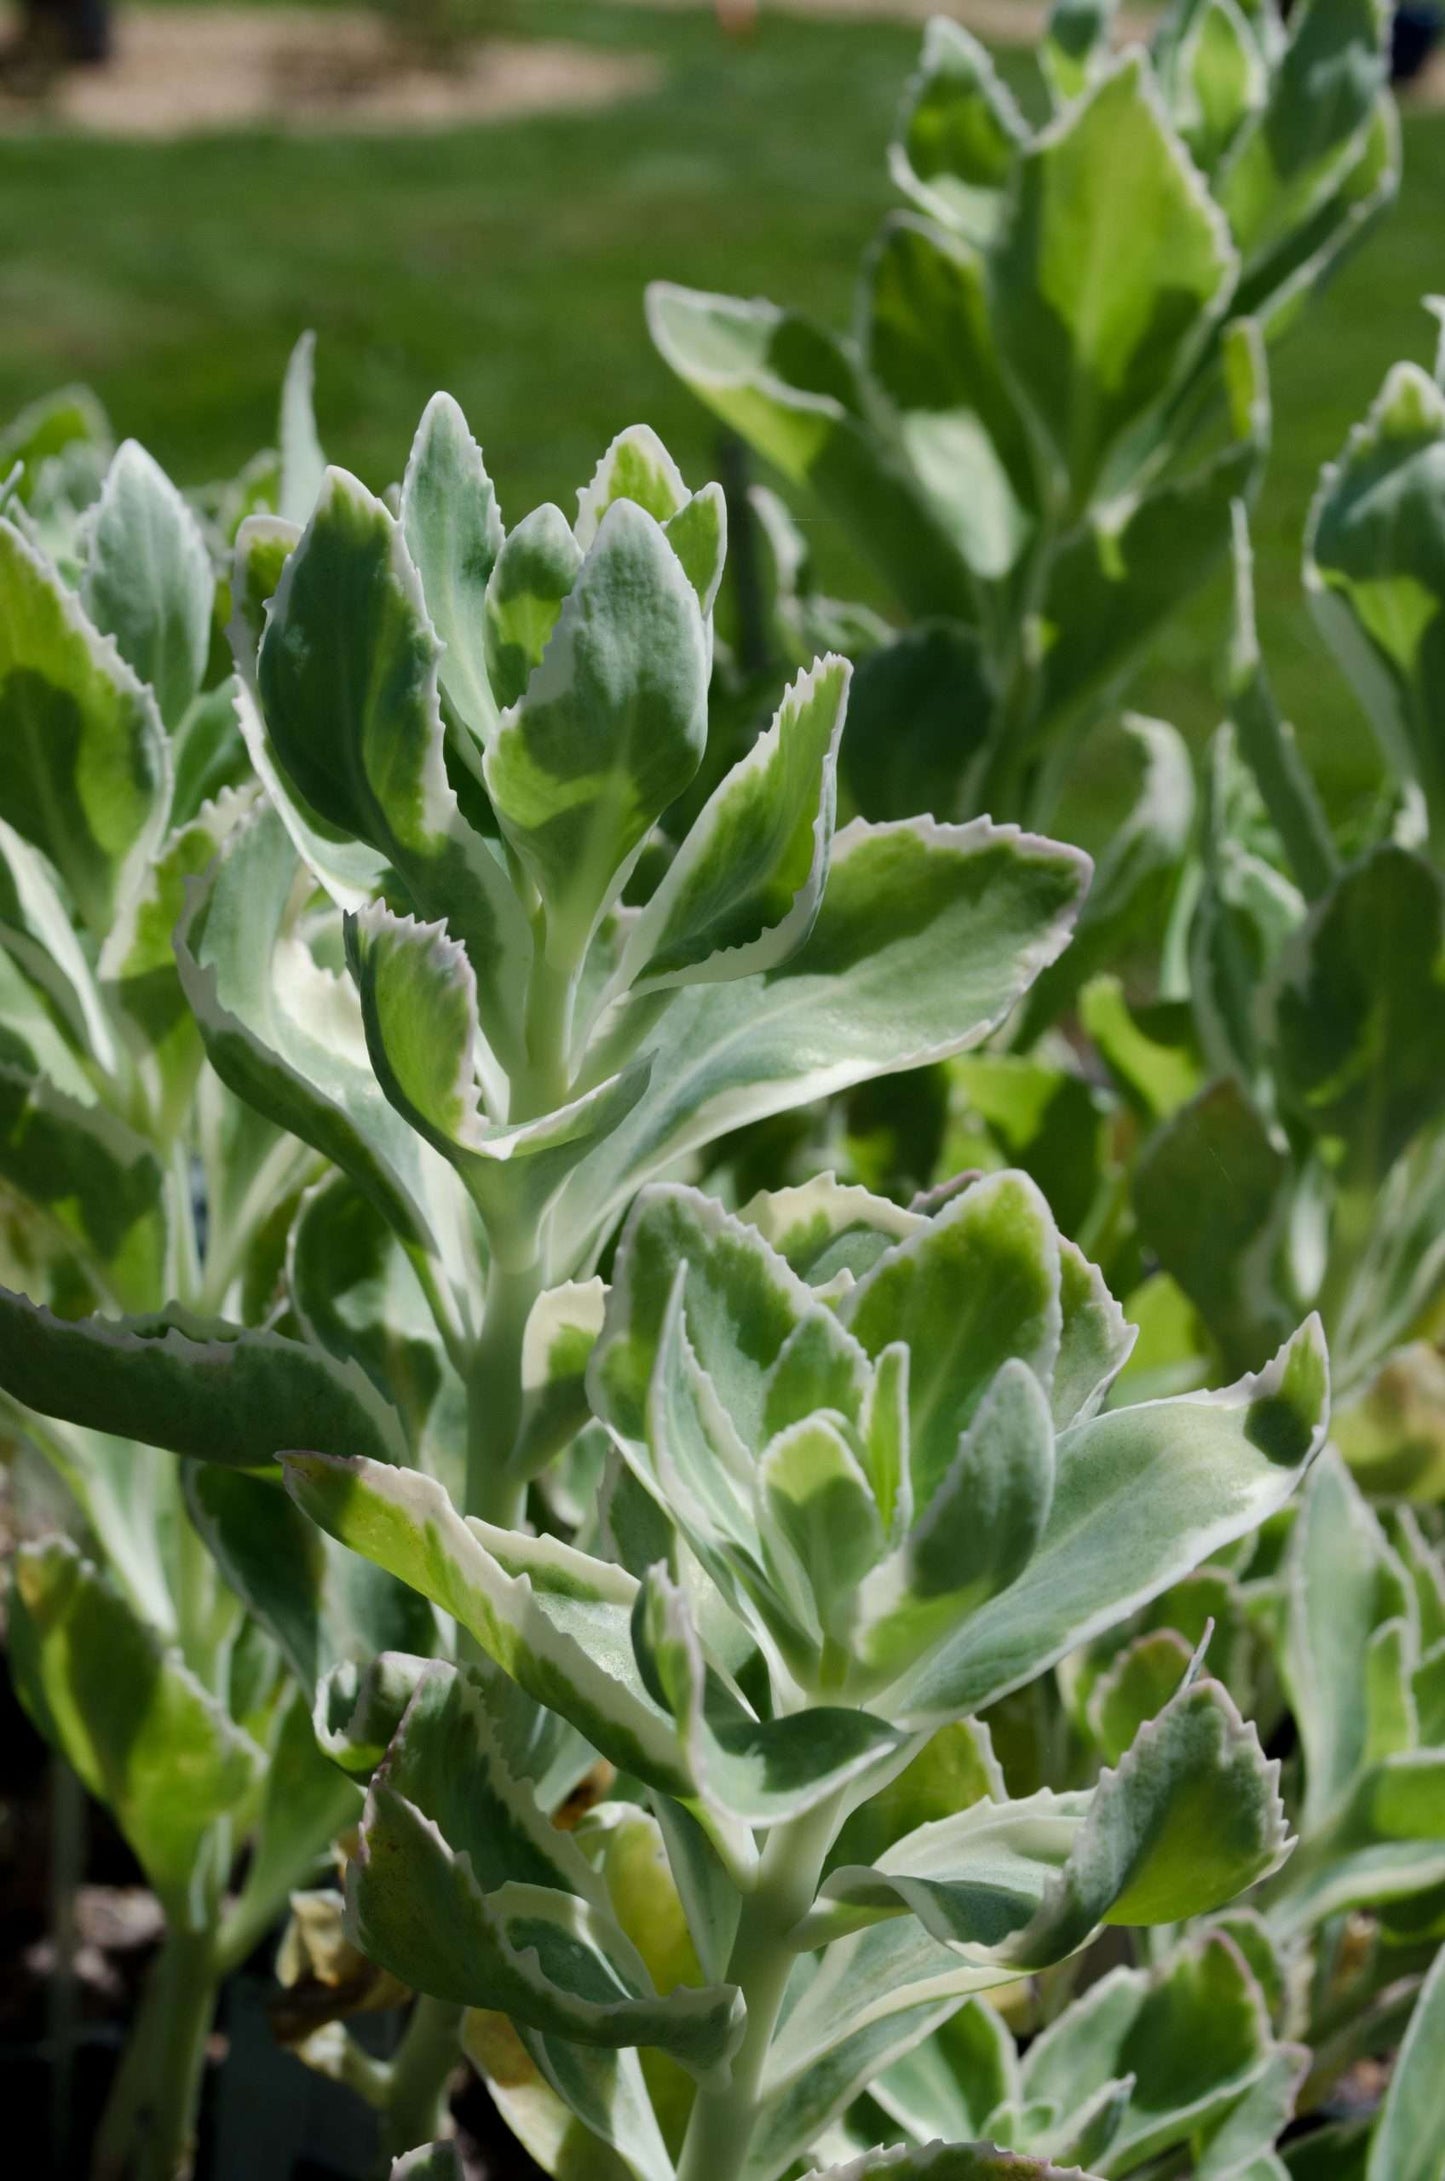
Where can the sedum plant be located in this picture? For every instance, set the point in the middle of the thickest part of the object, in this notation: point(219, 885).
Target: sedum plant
point(860, 1487)
point(445, 1049)
point(1046, 406)
point(132, 1182)
point(489, 1043)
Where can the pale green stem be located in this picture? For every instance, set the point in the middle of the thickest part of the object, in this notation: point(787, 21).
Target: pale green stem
point(183, 1273)
point(416, 2098)
point(494, 1393)
point(495, 1491)
point(720, 2131)
point(148, 2131)
point(546, 1081)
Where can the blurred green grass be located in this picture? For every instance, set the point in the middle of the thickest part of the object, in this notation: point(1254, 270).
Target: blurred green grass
point(508, 264)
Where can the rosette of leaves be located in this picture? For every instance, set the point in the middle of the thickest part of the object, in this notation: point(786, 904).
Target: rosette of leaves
point(1044, 410)
point(862, 1486)
point(418, 957)
point(135, 1185)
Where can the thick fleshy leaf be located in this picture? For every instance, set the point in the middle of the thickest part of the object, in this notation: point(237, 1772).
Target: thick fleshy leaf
point(1375, 570)
point(1358, 1009)
point(1096, 334)
point(287, 1036)
point(1411, 2127)
point(1385, 1843)
point(1210, 1197)
point(535, 570)
point(610, 727)
point(37, 933)
point(263, 545)
point(322, 1604)
point(347, 680)
point(959, 134)
point(562, 1330)
point(569, 2104)
point(303, 465)
point(138, 964)
point(743, 890)
point(1341, 1584)
point(1141, 1495)
point(68, 423)
point(749, 1771)
point(954, 1769)
point(146, 1738)
point(95, 1177)
point(453, 531)
point(1190, 1817)
point(1076, 45)
point(148, 581)
point(930, 346)
point(1281, 286)
point(926, 937)
point(817, 1512)
point(514, 1917)
point(635, 467)
point(1321, 100)
point(979, 1527)
point(741, 1305)
point(946, 2162)
point(196, 1385)
point(977, 1286)
point(1189, 2038)
point(791, 390)
point(306, 1805)
point(830, 1232)
point(429, 2162)
point(1215, 78)
point(419, 1006)
point(556, 1621)
point(1095, 1340)
point(210, 751)
point(1135, 1689)
point(698, 534)
point(87, 769)
point(950, 2084)
point(357, 1295)
point(872, 1999)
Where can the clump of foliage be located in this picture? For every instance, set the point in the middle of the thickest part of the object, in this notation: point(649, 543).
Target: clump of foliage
point(572, 1297)
point(1055, 386)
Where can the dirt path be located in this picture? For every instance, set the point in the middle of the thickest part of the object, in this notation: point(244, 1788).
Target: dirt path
point(189, 71)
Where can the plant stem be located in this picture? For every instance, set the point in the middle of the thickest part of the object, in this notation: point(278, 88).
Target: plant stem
point(720, 2131)
point(416, 2103)
point(494, 1393)
point(148, 2131)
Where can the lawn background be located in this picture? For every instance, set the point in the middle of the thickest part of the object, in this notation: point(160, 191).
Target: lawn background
point(507, 263)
